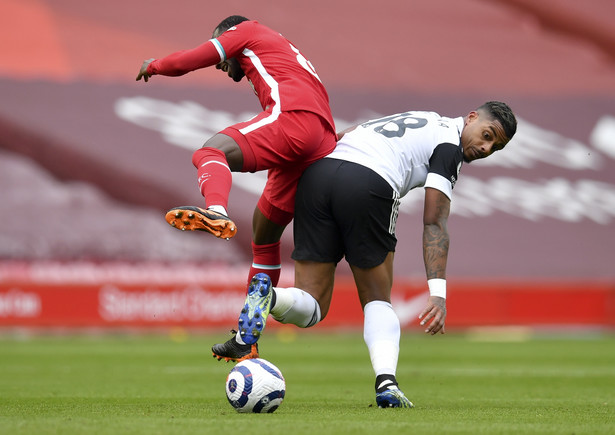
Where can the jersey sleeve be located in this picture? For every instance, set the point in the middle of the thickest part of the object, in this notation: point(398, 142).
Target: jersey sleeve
point(182, 62)
point(444, 166)
point(232, 42)
point(228, 45)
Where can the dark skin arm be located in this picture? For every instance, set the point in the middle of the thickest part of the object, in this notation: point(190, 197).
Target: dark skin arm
point(435, 254)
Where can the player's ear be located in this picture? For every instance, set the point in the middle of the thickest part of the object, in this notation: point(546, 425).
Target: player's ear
point(472, 116)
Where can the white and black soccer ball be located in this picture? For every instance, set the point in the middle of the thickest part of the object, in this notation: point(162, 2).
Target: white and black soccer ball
point(255, 385)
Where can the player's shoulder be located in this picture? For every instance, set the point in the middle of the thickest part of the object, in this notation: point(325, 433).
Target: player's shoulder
point(249, 26)
point(253, 26)
point(436, 119)
point(448, 129)
point(432, 120)
point(251, 34)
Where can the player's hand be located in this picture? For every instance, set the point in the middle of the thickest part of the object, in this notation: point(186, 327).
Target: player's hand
point(143, 71)
point(434, 315)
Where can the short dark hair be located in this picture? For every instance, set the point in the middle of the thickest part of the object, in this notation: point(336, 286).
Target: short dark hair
point(503, 114)
point(229, 22)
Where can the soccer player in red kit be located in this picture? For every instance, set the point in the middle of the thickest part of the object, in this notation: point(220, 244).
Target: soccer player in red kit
point(294, 130)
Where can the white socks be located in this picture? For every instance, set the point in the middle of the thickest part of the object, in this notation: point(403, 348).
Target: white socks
point(381, 332)
point(381, 328)
point(293, 305)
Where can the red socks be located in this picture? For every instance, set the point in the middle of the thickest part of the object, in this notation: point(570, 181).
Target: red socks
point(266, 259)
point(214, 176)
point(215, 180)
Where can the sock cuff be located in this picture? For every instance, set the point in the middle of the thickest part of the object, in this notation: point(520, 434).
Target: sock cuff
point(266, 249)
point(376, 304)
point(385, 381)
point(202, 155)
point(267, 257)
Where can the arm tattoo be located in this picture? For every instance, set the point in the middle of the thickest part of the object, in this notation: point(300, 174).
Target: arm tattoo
point(436, 242)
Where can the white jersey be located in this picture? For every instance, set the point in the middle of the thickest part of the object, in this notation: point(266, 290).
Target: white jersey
point(408, 150)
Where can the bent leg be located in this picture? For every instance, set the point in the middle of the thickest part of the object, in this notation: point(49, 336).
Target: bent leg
point(230, 148)
point(214, 162)
point(296, 307)
point(214, 182)
point(308, 303)
point(317, 279)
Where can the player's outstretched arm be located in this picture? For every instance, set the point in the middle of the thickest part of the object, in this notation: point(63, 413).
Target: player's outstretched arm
point(181, 62)
point(435, 255)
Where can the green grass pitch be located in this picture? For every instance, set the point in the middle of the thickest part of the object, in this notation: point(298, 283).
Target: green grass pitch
point(170, 384)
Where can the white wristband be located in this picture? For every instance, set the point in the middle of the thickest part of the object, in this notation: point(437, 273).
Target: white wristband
point(437, 287)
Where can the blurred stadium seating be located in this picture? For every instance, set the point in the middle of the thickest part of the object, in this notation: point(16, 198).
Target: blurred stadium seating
point(90, 159)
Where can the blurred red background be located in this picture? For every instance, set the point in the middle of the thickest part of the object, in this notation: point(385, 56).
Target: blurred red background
point(90, 159)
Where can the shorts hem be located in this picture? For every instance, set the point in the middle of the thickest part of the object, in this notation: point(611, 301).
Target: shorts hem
point(273, 213)
point(249, 159)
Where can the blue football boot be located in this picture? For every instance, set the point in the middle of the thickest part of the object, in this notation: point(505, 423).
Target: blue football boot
point(393, 398)
point(256, 309)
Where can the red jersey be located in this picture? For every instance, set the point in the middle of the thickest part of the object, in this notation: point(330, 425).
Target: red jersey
point(282, 78)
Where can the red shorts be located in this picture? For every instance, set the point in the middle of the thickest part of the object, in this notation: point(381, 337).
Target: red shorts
point(285, 146)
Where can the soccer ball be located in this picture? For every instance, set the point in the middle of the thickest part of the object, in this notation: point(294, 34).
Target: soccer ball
point(255, 385)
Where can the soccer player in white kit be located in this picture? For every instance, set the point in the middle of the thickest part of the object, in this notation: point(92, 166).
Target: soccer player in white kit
point(347, 205)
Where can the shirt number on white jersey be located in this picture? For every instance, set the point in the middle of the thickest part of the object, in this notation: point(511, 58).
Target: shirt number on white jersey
point(396, 125)
point(306, 64)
